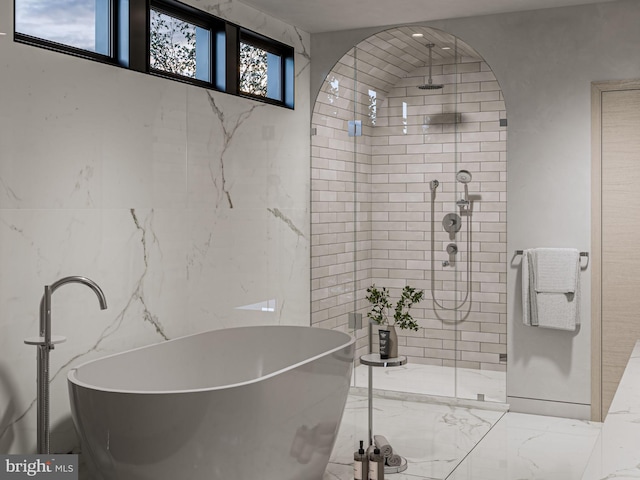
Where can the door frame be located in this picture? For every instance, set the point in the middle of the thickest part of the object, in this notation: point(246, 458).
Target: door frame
point(597, 89)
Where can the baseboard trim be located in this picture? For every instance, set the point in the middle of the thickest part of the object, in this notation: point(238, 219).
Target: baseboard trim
point(580, 411)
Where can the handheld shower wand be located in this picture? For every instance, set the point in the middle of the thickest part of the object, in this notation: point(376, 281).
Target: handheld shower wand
point(464, 177)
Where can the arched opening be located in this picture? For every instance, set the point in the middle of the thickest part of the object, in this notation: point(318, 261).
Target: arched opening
point(408, 187)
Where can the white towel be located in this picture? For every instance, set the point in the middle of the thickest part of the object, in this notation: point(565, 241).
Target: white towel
point(383, 444)
point(527, 282)
point(551, 288)
point(529, 311)
point(556, 270)
point(394, 460)
point(558, 310)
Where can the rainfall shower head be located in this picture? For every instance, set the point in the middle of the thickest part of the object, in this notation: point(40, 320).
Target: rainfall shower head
point(430, 85)
point(463, 176)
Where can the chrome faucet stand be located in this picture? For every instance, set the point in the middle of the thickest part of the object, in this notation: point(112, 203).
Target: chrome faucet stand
point(45, 343)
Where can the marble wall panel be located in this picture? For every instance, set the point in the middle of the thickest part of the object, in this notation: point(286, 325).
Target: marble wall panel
point(182, 203)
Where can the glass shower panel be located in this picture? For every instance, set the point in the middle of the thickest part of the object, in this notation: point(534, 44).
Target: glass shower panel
point(408, 172)
point(401, 150)
point(335, 141)
point(358, 198)
point(339, 252)
point(479, 174)
point(363, 120)
point(437, 118)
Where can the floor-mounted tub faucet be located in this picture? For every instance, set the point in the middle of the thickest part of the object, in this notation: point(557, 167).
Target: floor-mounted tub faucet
point(45, 343)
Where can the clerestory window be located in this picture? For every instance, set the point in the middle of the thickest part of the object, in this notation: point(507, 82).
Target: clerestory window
point(266, 68)
point(165, 38)
point(79, 25)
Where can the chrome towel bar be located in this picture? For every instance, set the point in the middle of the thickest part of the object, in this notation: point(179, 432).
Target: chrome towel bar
point(582, 254)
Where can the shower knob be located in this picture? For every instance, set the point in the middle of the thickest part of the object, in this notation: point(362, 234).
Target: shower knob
point(451, 223)
point(452, 249)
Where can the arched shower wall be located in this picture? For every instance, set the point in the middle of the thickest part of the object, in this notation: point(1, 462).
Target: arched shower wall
point(377, 143)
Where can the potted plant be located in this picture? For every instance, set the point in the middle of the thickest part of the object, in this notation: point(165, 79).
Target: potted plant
point(381, 307)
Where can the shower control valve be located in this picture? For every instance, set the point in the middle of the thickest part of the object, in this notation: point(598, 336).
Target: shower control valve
point(451, 223)
point(452, 249)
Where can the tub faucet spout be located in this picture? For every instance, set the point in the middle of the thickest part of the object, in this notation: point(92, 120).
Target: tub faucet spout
point(45, 303)
point(45, 345)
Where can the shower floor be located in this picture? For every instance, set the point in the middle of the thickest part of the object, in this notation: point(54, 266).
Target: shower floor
point(435, 380)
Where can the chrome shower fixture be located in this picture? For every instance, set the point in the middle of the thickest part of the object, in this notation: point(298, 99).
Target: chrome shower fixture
point(452, 223)
point(433, 184)
point(464, 177)
point(430, 85)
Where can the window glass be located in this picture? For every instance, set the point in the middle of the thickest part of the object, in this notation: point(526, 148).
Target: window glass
point(82, 24)
point(179, 47)
point(373, 106)
point(253, 70)
point(266, 72)
point(274, 81)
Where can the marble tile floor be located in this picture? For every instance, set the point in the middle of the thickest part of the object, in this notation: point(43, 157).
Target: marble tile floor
point(461, 443)
point(531, 447)
point(433, 438)
point(435, 380)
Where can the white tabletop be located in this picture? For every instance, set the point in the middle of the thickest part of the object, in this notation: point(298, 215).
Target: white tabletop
point(374, 360)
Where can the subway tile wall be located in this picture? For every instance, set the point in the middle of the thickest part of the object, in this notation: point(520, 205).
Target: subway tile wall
point(374, 215)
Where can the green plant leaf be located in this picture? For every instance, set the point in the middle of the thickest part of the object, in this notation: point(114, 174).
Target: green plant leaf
point(381, 304)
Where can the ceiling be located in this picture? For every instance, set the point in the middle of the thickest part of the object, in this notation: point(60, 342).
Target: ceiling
point(385, 58)
point(317, 16)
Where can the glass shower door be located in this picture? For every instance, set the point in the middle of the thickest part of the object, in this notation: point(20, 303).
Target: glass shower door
point(408, 189)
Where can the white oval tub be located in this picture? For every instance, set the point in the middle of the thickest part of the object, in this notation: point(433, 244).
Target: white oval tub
point(249, 403)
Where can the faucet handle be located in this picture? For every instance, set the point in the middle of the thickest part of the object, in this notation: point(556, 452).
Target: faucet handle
point(55, 339)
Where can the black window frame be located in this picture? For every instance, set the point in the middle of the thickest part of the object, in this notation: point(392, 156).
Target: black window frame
point(285, 52)
point(129, 47)
point(114, 6)
point(193, 16)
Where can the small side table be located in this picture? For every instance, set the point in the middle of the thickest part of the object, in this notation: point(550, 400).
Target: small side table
point(374, 360)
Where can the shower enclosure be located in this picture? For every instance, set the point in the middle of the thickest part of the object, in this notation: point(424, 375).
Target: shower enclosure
point(409, 188)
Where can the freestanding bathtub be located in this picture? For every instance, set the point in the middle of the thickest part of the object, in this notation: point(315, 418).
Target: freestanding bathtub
point(249, 403)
